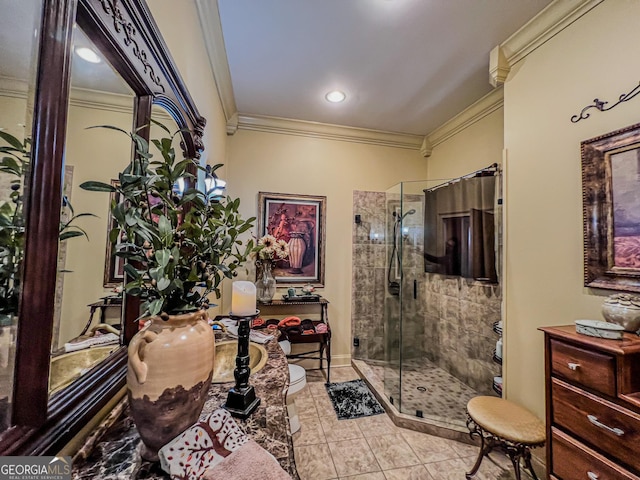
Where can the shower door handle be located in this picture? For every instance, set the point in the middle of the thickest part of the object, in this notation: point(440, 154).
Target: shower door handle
point(415, 289)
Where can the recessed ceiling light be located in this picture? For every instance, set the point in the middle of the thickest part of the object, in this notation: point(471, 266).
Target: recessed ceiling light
point(88, 55)
point(336, 96)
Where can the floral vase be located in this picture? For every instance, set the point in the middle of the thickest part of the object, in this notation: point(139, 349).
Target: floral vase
point(297, 249)
point(169, 374)
point(266, 284)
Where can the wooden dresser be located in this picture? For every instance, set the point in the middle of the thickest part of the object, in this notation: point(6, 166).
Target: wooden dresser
point(593, 406)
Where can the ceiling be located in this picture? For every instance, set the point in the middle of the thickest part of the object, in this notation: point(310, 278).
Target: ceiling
point(406, 66)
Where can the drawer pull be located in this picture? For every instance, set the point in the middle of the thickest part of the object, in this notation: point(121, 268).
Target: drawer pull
point(592, 476)
point(593, 419)
point(573, 366)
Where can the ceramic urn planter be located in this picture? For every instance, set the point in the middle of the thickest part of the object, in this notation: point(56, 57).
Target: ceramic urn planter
point(624, 310)
point(169, 374)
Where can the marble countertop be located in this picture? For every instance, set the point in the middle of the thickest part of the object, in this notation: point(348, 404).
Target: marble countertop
point(115, 455)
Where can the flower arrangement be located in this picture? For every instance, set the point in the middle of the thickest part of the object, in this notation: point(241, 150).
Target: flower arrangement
point(272, 249)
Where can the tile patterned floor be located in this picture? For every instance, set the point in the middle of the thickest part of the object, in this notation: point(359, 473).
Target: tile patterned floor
point(428, 388)
point(373, 448)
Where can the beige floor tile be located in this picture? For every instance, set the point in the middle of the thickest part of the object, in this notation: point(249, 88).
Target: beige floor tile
point(310, 433)
point(304, 404)
point(309, 411)
point(324, 406)
point(429, 448)
point(455, 470)
point(377, 425)
point(392, 451)
point(366, 476)
point(337, 430)
point(313, 462)
point(500, 463)
point(353, 457)
point(464, 450)
point(316, 389)
point(417, 472)
point(343, 374)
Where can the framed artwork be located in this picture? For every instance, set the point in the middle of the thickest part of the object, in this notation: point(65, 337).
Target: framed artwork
point(113, 266)
point(611, 210)
point(299, 220)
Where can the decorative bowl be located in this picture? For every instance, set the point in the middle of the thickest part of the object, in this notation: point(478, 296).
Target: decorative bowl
point(624, 310)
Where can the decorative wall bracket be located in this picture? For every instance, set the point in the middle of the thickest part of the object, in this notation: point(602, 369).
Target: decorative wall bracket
point(602, 106)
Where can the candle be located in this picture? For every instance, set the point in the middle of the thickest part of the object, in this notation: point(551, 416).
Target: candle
point(243, 299)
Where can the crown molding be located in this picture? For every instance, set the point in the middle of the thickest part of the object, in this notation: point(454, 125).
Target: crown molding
point(211, 27)
point(81, 97)
point(477, 111)
point(554, 18)
point(328, 131)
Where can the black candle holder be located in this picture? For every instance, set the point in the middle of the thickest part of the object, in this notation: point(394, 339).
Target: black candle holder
point(241, 399)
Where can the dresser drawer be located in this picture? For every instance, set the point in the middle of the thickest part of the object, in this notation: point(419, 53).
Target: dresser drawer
point(594, 370)
point(574, 461)
point(605, 425)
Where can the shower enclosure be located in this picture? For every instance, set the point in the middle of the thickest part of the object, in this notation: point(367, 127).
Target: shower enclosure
point(430, 337)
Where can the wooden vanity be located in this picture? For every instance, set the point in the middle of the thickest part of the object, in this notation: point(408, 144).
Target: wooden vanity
point(593, 406)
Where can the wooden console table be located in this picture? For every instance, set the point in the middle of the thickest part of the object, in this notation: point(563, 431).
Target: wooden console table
point(293, 307)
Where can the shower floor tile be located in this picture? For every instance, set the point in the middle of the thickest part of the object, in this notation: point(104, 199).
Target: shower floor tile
point(429, 389)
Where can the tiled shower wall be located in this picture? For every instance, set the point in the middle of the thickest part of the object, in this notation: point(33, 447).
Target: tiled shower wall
point(459, 338)
point(368, 275)
point(450, 323)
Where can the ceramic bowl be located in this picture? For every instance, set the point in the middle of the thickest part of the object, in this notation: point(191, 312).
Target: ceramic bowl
point(624, 310)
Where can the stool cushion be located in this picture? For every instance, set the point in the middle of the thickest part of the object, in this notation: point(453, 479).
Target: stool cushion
point(506, 420)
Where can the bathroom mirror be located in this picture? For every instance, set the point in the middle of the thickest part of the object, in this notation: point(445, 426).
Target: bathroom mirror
point(19, 31)
point(87, 313)
point(125, 33)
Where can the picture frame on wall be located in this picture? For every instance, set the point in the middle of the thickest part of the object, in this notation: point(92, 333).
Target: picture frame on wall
point(113, 265)
point(611, 210)
point(299, 220)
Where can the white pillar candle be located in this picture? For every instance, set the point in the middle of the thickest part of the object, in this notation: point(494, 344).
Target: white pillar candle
point(243, 299)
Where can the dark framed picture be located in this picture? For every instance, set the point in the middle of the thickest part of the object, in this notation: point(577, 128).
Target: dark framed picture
point(113, 266)
point(611, 210)
point(299, 220)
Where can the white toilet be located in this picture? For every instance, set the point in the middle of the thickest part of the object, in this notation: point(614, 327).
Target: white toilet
point(297, 382)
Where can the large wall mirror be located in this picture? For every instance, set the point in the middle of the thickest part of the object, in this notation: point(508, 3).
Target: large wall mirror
point(90, 62)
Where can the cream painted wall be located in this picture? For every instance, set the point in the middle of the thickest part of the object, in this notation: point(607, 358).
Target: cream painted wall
point(477, 146)
point(267, 162)
point(181, 31)
point(593, 57)
point(95, 154)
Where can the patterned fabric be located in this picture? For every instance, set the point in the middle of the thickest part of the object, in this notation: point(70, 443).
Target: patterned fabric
point(202, 446)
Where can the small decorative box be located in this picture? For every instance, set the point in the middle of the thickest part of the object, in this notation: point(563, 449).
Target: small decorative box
point(596, 328)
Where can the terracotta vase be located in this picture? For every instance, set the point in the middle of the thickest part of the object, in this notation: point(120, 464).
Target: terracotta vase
point(297, 248)
point(169, 374)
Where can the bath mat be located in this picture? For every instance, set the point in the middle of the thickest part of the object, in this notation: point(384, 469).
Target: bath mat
point(353, 400)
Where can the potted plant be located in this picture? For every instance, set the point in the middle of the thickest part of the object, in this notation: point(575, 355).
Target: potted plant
point(179, 246)
point(14, 164)
point(269, 250)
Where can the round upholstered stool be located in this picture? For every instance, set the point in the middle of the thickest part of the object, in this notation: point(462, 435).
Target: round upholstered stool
point(297, 381)
point(502, 424)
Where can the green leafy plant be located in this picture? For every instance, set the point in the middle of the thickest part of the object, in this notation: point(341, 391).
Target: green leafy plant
point(178, 247)
point(15, 163)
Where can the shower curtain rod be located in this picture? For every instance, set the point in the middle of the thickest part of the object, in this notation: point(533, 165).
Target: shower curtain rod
point(493, 167)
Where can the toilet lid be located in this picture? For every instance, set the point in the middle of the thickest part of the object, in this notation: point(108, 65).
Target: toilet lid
point(297, 378)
